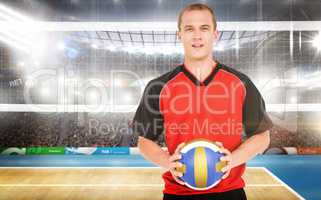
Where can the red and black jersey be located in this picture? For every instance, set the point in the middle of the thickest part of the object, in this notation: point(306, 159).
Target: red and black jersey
point(225, 106)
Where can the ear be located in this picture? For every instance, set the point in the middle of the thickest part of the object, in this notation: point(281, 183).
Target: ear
point(178, 35)
point(215, 35)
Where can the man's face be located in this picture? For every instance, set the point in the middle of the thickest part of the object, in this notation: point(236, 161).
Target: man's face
point(197, 34)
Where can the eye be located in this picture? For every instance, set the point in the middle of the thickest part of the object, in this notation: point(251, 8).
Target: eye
point(205, 28)
point(188, 29)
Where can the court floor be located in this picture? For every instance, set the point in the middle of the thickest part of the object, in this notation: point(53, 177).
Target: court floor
point(117, 184)
point(132, 177)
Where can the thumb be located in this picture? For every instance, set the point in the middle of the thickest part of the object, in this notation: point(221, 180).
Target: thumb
point(166, 150)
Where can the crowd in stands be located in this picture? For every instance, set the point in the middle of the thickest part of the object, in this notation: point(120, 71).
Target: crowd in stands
point(63, 129)
point(28, 129)
point(281, 137)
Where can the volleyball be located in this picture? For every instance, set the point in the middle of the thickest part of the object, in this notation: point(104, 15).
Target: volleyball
point(201, 165)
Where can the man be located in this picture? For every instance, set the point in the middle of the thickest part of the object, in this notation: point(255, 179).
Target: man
point(205, 99)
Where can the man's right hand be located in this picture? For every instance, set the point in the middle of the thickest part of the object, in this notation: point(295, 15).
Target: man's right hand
point(174, 164)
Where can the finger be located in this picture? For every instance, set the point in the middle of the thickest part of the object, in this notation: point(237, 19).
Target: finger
point(174, 165)
point(226, 175)
point(225, 169)
point(220, 144)
point(225, 151)
point(175, 157)
point(178, 181)
point(177, 174)
point(179, 147)
point(166, 150)
point(226, 158)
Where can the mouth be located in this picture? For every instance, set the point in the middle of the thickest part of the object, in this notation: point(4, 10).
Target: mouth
point(197, 46)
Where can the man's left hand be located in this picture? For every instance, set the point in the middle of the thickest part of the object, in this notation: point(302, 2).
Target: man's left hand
point(227, 158)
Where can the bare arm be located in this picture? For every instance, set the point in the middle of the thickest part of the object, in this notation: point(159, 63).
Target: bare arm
point(154, 153)
point(250, 148)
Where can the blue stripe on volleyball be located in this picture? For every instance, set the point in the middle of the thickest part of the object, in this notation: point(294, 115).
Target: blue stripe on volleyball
point(212, 159)
point(218, 174)
point(189, 167)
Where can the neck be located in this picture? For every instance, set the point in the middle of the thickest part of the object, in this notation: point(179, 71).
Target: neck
point(200, 68)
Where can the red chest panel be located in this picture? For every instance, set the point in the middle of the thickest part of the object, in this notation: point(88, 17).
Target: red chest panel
point(212, 111)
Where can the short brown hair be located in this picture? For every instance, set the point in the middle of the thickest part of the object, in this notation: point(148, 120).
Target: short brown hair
point(196, 6)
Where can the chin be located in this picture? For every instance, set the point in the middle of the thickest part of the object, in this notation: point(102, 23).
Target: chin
point(197, 55)
point(200, 57)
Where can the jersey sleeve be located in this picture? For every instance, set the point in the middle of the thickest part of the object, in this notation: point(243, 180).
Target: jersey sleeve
point(255, 117)
point(148, 121)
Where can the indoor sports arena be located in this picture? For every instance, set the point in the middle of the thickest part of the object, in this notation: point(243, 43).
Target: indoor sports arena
point(74, 75)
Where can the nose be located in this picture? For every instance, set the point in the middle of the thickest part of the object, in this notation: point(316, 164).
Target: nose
point(197, 35)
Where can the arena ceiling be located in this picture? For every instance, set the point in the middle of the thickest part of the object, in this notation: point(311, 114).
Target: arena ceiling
point(165, 10)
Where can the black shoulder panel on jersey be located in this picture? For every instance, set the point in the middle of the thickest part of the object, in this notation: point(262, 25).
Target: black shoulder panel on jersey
point(148, 121)
point(255, 118)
